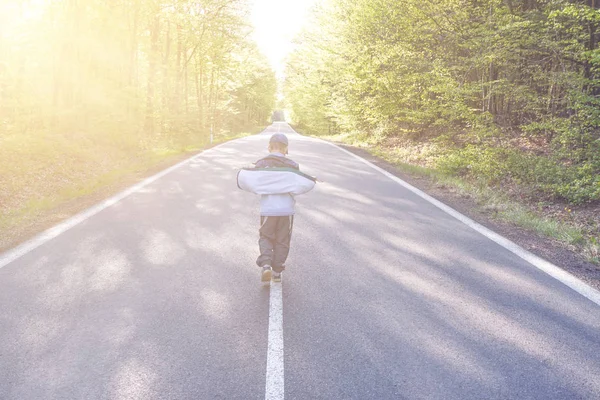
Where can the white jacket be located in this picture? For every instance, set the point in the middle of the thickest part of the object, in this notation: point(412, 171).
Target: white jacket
point(277, 187)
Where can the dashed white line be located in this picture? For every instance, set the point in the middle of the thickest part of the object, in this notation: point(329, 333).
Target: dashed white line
point(274, 388)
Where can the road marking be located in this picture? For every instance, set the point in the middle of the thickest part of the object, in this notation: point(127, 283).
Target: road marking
point(274, 388)
point(561, 275)
point(24, 248)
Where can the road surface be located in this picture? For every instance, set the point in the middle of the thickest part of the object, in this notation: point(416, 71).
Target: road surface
point(386, 296)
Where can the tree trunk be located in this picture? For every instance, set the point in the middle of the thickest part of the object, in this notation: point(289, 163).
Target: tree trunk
point(165, 68)
point(176, 96)
point(154, 30)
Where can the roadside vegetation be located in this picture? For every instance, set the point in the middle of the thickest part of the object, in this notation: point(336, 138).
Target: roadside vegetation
point(500, 99)
point(95, 92)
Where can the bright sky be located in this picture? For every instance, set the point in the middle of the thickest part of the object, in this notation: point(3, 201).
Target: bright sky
point(276, 23)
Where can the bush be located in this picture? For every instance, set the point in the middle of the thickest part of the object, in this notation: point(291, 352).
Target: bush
point(542, 175)
point(484, 163)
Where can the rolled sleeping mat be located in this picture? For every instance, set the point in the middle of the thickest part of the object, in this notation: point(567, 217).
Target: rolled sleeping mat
point(275, 181)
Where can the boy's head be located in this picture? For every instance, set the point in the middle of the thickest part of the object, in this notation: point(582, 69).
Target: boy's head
point(278, 143)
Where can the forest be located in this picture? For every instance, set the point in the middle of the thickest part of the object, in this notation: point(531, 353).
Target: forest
point(505, 93)
point(93, 90)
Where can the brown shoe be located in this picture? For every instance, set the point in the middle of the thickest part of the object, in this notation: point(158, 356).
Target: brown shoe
point(265, 275)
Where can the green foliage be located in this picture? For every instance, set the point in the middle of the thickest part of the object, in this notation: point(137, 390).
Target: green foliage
point(541, 175)
point(489, 164)
point(511, 88)
point(93, 91)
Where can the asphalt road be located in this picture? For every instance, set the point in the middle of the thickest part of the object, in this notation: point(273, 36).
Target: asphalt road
point(385, 297)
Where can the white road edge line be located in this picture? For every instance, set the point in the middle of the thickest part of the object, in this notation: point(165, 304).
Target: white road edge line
point(24, 248)
point(274, 387)
point(570, 280)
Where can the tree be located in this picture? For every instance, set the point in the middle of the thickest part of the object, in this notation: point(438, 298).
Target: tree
point(488, 73)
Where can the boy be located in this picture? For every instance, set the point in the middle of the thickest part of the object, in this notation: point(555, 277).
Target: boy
point(277, 179)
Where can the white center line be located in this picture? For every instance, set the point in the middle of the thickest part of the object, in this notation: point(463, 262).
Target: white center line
point(274, 384)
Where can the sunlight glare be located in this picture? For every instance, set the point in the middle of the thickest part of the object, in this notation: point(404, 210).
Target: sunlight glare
point(15, 14)
point(276, 23)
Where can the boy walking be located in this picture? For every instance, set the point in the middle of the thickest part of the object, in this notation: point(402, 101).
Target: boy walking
point(278, 180)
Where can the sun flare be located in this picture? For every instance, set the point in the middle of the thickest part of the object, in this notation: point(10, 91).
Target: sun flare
point(276, 23)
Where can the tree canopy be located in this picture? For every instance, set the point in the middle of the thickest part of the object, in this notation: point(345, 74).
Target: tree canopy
point(178, 66)
point(92, 90)
point(507, 90)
